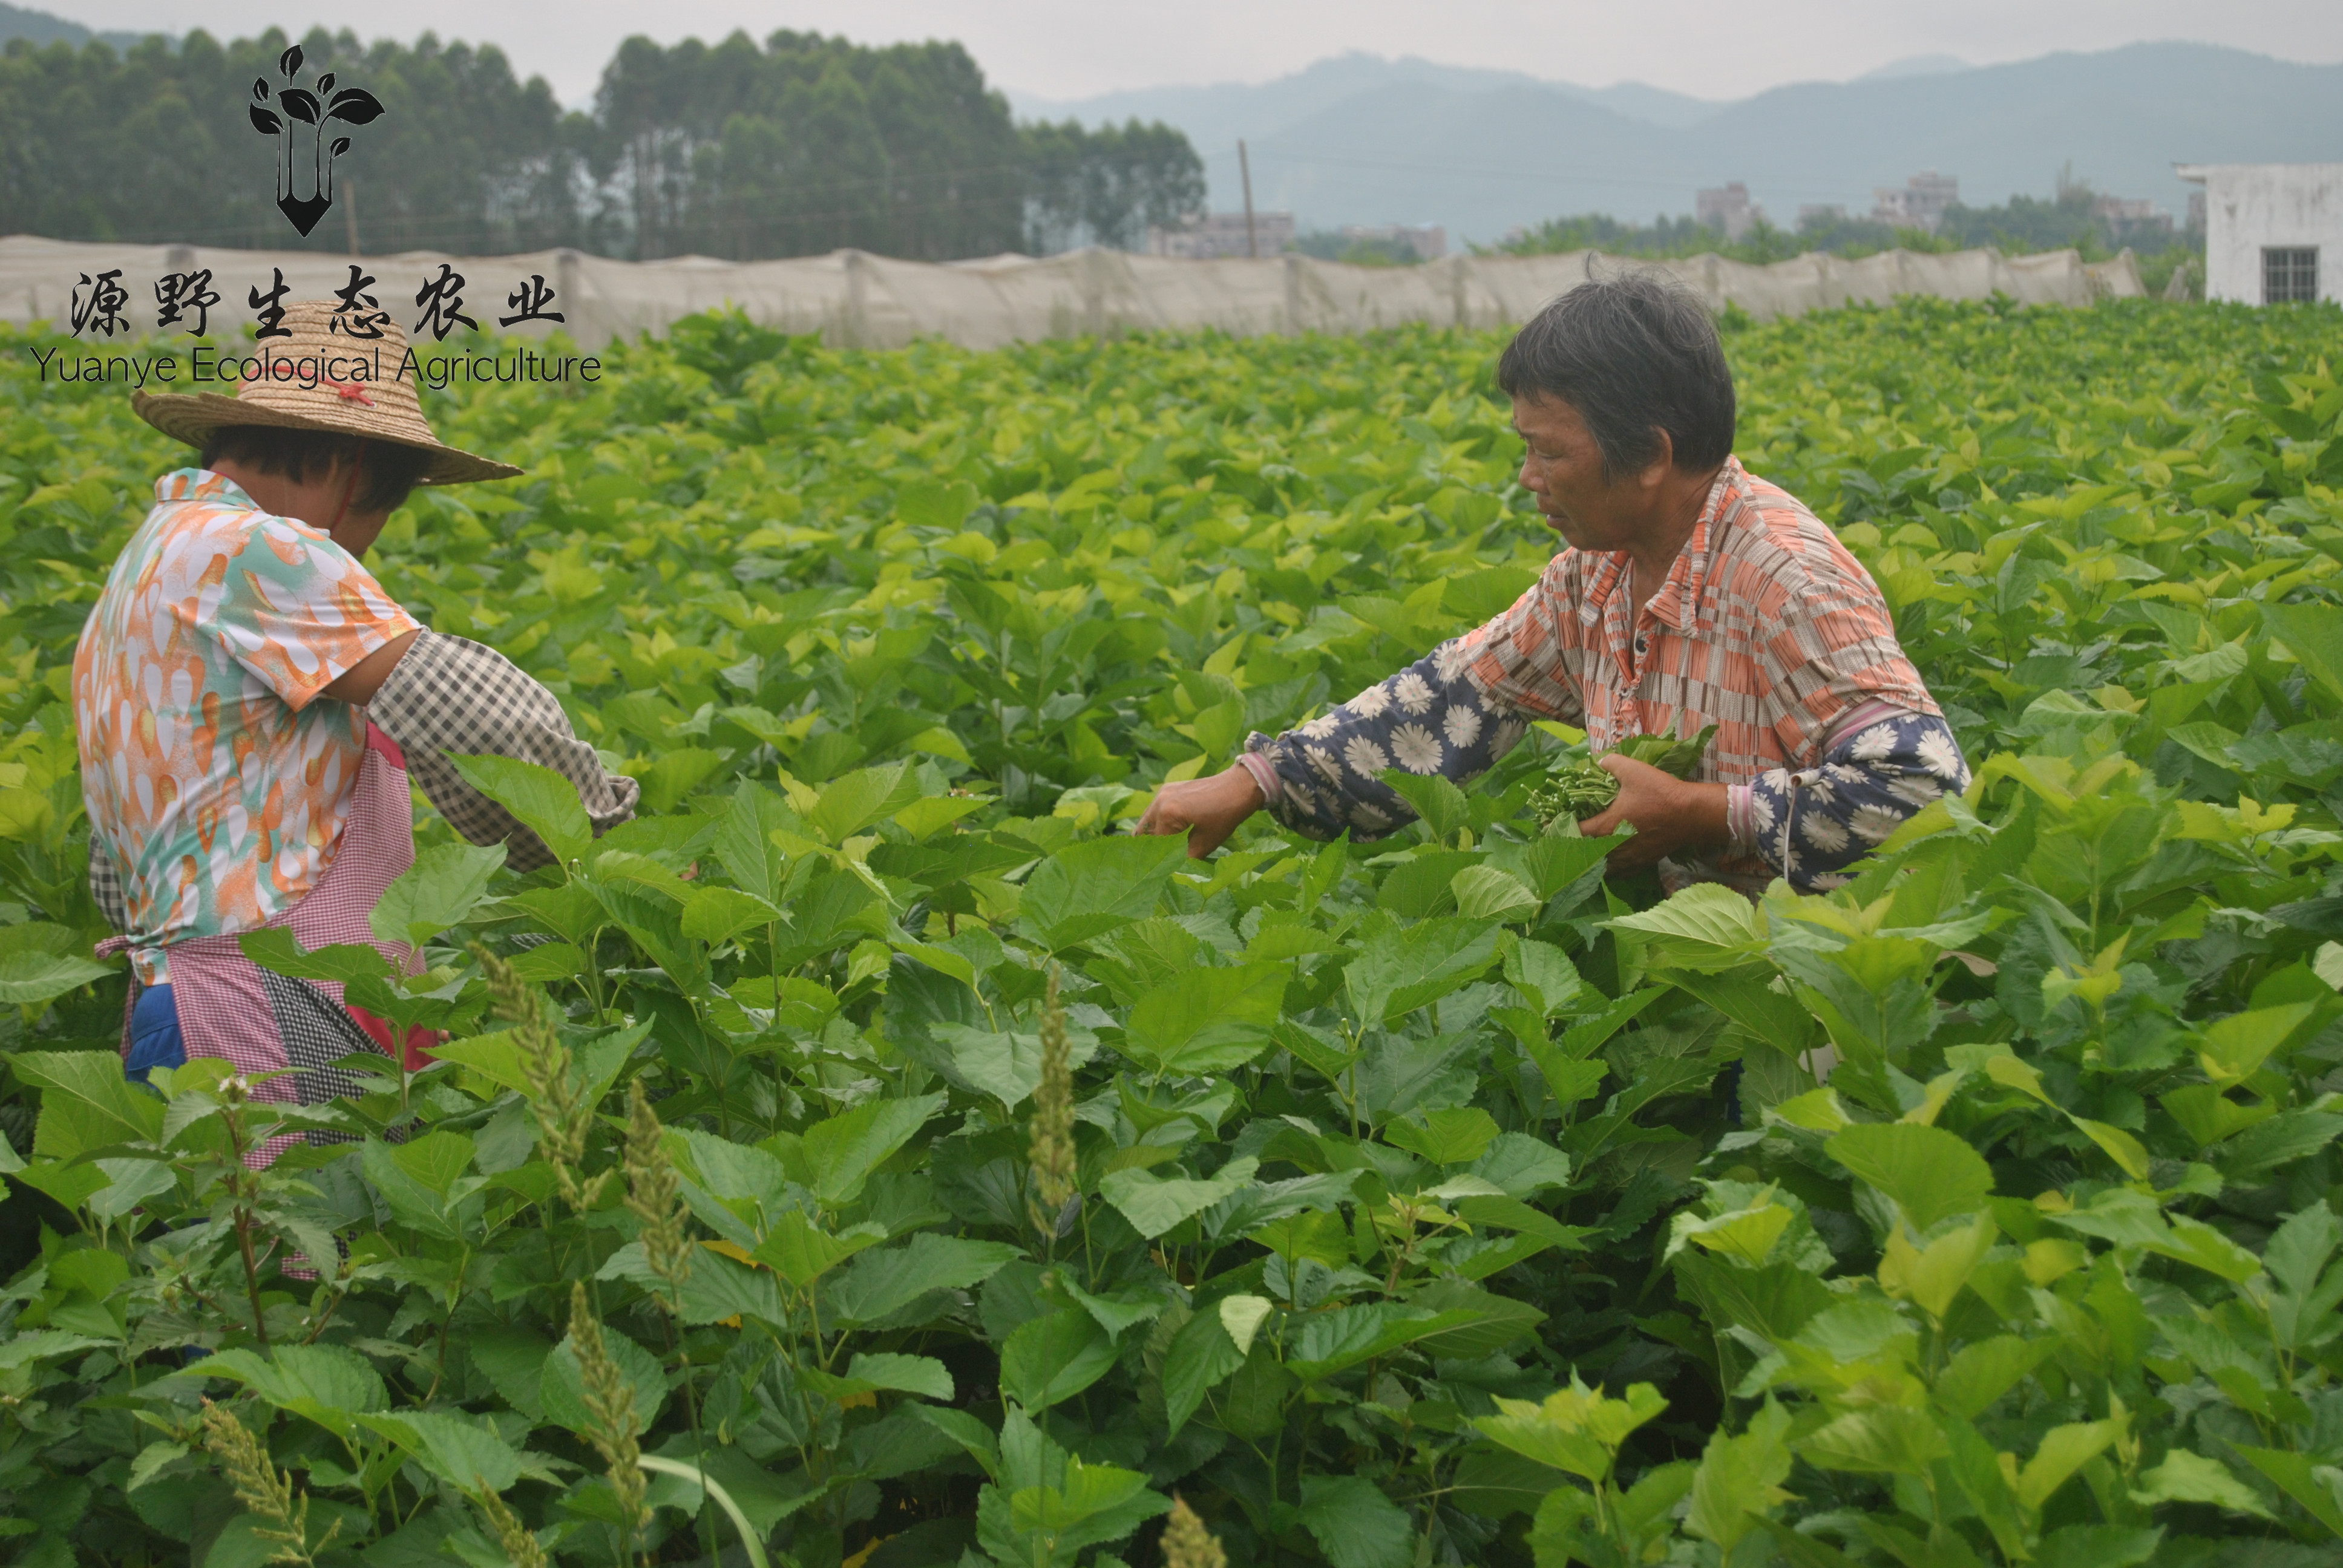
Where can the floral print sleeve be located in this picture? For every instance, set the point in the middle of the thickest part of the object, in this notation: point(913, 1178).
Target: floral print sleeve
point(1876, 773)
point(1877, 770)
point(1430, 718)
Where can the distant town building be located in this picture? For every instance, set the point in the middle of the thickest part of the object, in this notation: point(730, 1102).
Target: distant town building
point(1728, 208)
point(2273, 232)
point(2124, 214)
point(1919, 203)
point(1821, 212)
point(1209, 235)
point(1428, 240)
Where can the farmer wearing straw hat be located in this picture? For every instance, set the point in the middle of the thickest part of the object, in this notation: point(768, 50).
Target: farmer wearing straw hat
point(250, 702)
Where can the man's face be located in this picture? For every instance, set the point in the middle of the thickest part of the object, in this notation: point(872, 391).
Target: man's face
point(1564, 469)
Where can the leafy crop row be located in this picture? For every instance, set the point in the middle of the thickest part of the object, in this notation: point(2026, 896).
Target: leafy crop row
point(872, 1155)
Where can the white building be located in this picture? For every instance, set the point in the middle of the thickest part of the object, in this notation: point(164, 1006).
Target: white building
point(1206, 236)
point(1919, 203)
point(1728, 208)
point(2273, 232)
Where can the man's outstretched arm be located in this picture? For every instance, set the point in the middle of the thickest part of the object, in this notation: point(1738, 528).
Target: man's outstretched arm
point(1326, 776)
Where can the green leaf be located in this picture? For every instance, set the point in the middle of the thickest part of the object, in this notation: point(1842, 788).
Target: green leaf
point(412, 1202)
point(1006, 1065)
point(28, 979)
point(1707, 926)
point(1486, 893)
point(2296, 1475)
point(539, 800)
point(1095, 1503)
point(1455, 1137)
point(1985, 1370)
point(129, 1183)
point(921, 1375)
point(495, 1057)
point(1330, 1342)
point(1398, 970)
point(563, 1385)
point(716, 915)
point(1931, 1174)
point(1883, 1439)
point(120, 1112)
point(850, 804)
point(744, 842)
point(1354, 1525)
point(965, 1430)
point(802, 1252)
point(327, 1384)
point(2063, 1450)
point(1155, 1204)
point(1577, 1429)
point(880, 1284)
point(1087, 890)
point(463, 1451)
point(1201, 1357)
point(436, 893)
point(435, 1160)
point(846, 1149)
point(2313, 633)
point(2186, 1477)
point(2098, 1546)
point(1740, 1479)
point(1051, 1358)
point(1208, 1021)
point(274, 948)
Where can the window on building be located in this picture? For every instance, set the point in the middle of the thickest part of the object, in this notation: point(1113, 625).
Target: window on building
point(2289, 273)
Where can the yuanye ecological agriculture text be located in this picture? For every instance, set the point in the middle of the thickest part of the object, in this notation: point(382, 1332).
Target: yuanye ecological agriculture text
point(206, 363)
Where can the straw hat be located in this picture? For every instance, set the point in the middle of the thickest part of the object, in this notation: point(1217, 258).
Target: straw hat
point(383, 410)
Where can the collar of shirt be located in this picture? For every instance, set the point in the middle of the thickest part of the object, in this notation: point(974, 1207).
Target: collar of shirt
point(1609, 602)
point(192, 484)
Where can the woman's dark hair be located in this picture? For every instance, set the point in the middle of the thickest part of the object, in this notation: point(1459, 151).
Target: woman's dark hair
point(1635, 355)
point(388, 471)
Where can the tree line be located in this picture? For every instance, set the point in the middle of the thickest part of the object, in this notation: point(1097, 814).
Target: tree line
point(2072, 217)
point(800, 145)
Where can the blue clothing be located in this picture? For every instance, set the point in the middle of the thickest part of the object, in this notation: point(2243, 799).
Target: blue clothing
point(154, 1037)
point(1878, 768)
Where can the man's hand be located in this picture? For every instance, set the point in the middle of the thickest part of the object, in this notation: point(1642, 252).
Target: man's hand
point(1668, 814)
point(1207, 809)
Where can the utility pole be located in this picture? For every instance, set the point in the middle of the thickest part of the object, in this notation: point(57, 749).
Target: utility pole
point(1244, 169)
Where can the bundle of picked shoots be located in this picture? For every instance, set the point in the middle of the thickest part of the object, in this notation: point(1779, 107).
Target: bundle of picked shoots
point(1577, 790)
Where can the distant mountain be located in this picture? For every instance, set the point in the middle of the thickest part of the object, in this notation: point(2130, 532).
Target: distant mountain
point(38, 28)
point(1223, 113)
point(1358, 139)
point(1915, 65)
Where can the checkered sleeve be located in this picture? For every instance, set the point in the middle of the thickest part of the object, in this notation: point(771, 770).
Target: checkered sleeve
point(1877, 772)
point(452, 696)
point(1430, 718)
point(106, 886)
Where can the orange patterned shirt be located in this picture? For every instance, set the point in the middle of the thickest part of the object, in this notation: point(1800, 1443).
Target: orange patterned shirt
point(216, 773)
point(1766, 627)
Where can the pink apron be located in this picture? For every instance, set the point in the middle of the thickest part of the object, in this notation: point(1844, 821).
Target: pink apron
point(263, 1022)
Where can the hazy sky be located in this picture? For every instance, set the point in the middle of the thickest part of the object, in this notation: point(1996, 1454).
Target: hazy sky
point(1071, 48)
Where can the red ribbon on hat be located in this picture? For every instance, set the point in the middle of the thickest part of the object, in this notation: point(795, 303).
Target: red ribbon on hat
point(347, 391)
